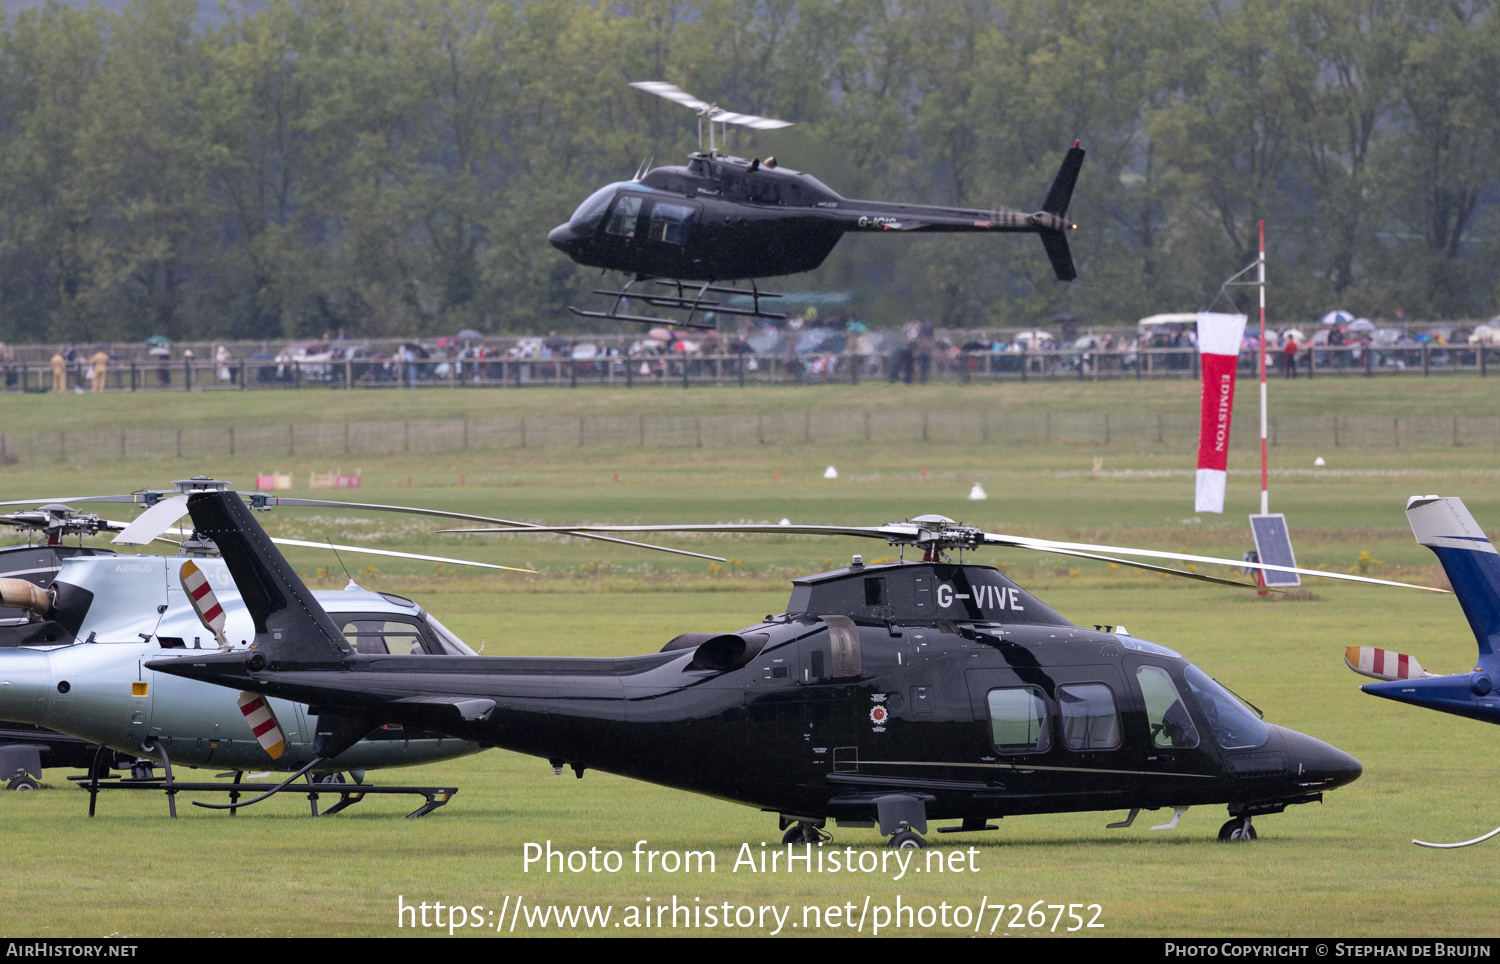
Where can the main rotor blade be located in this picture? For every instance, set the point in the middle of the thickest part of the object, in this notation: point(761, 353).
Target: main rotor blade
point(153, 522)
point(867, 532)
point(518, 526)
point(1165, 570)
point(748, 120)
point(912, 533)
point(671, 92)
point(1455, 846)
point(398, 555)
point(679, 96)
point(74, 498)
point(1044, 545)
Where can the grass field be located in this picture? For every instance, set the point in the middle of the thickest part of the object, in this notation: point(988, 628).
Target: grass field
point(1344, 867)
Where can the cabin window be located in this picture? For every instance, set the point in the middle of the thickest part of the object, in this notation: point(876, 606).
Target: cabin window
point(874, 592)
point(379, 637)
point(586, 218)
point(765, 191)
point(669, 223)
point(447, 643)
point(1171, 726)
point(622, 221)
point(1233, 726)
point(1090, 719)
point(1018, 720)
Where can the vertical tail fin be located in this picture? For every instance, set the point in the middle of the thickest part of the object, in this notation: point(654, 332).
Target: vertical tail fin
point(1445, 526)
point(1058, 199)
point(1062, 186)
point(289, 623)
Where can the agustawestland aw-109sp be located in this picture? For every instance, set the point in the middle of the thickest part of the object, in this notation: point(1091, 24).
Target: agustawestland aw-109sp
point(889, 694)
point(722, 218)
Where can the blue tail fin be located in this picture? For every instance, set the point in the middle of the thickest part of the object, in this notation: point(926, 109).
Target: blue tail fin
point(1445, 526)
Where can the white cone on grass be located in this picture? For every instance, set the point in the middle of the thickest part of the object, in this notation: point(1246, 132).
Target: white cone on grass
point(1318, 462)
point(977, 494)
point(830, 473)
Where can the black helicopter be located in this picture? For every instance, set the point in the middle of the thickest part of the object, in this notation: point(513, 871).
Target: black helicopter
point(723, 218)
point(891, 694)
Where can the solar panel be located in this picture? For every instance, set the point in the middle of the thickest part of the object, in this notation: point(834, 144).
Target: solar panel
point(1274, 546)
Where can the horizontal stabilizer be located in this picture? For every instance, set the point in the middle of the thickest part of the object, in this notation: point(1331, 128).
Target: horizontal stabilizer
point(454, 709)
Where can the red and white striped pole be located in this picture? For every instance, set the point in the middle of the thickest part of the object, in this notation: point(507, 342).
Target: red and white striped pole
point(1265, 495)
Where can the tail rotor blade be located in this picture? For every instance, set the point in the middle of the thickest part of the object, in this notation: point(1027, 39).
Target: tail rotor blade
point(1383, 664)
point(201, 595)
point(263, 723)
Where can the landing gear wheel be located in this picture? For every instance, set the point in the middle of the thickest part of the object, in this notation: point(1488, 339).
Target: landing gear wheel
point(326, 778)
point(1237, 829)
point(22, 782)
point(906, 840)
point(804, 833)
point(141, 770)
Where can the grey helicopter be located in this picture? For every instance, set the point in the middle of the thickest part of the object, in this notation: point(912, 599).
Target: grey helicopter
point(72, 653)
point(886, 695)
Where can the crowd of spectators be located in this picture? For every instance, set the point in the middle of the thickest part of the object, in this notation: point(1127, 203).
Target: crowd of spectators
point(805, 346)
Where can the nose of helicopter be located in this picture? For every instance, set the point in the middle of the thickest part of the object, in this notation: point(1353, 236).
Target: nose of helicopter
point(1315, 765)
point(26, 686)
point(563, 238)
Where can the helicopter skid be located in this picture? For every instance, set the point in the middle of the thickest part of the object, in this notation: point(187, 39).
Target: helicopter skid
point(692, 304)
point(642, 319)
point(348, 793)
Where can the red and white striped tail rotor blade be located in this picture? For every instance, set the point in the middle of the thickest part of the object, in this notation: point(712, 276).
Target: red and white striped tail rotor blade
point(1383, 664)
point(204, 602)
point(263, 723)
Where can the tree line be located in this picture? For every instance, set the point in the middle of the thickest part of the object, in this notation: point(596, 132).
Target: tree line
point(288, 167)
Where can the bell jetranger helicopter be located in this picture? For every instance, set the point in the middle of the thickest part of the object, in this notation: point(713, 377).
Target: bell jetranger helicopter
point(132, 608)
point(1472, 565)
point(722, 218)
point(887, 694)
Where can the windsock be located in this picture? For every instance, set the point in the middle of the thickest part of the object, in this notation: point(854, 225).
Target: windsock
point(263, 723)
point(253, 706)
point(1219, 348)
point(1383, 663)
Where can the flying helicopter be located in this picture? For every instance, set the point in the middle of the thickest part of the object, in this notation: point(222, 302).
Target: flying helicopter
point(887, 694)
point(723, 218)
point(1472, 565)
point(74, 649)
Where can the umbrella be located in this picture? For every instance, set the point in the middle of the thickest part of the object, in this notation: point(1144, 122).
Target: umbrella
point(1034, 335)
point(1336, 317)
point(469, 334)
point(660, 334)
point(1361, 324)
point(162, 340)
